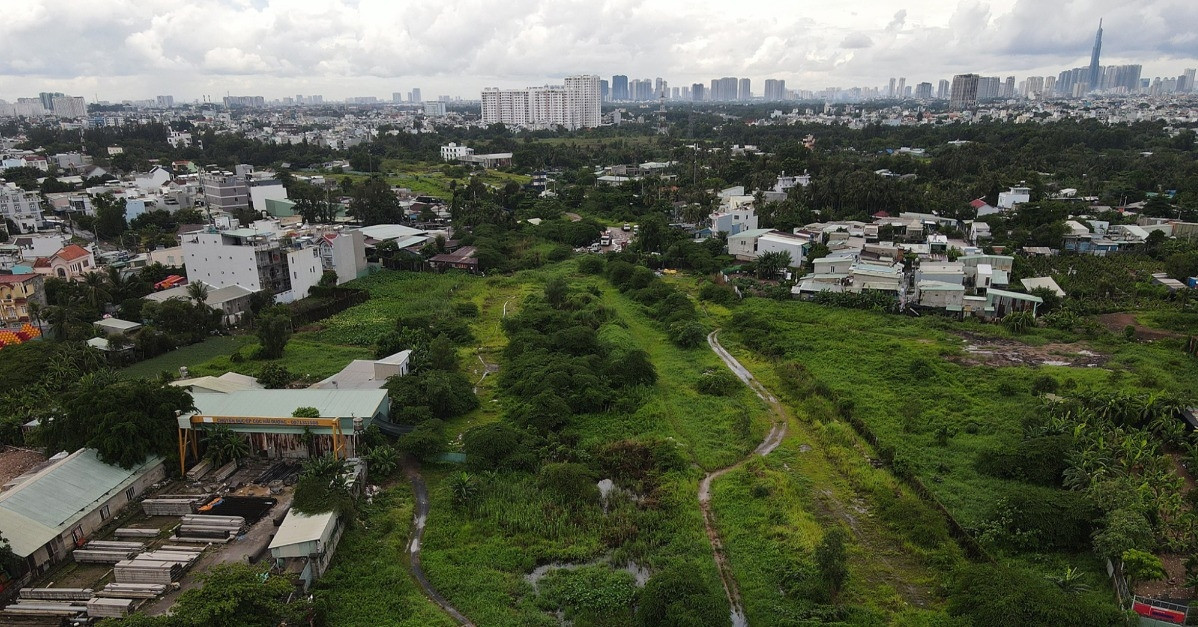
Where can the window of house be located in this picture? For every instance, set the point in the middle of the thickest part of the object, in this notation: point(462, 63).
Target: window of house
point(129, 494)
point(105, 512)
point(77, 534)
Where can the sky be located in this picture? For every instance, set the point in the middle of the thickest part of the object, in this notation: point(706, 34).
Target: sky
point(135, 49)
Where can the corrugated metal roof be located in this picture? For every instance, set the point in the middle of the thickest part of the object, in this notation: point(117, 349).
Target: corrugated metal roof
point(280, 403)
point(35, 511)
point(299, 528)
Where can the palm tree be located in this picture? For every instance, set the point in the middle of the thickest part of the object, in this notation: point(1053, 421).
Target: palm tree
point(95, 290)
point(225, 445)
point(199, 293)
point(464, 488)
point(35, 313)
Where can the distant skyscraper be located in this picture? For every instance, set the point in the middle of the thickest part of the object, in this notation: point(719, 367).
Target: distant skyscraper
point(658, 84)
point(1008, 89)
point(604, 90)
point(697, 94)
point(745, 91)
point(942, 90)
point(574, 105)
point(1094, 57)
point(397, 96)
point(47, 98)
point(619, 87)
point(1189, 75)
point(1050, 86)
point(902, 87)
point(775, 90)
point(923, 91)
point(964, 91)
point(166, 102)
point(890, 92)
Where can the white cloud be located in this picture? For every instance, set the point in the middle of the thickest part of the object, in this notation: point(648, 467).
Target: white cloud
point(132, 49)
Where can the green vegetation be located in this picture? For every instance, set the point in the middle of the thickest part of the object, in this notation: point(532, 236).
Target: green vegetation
point(975, 436)
point(232, 595)
point(368, 583)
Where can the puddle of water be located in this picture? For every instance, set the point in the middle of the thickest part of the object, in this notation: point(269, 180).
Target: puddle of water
point(640, 573)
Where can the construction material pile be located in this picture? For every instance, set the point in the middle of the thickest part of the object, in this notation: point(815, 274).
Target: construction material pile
point(107, 551)
point(29, 608)
point(199, 470)
point(132, 590)
point(173, 504)
point(109, 608)
point(133, 532)
point(155, 567)
point(209, 527)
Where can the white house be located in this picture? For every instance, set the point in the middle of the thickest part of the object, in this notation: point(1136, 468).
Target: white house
point(734, 220)
point(777, 241)
point(743, 244)
point(344, 253)
point(454, 152)
point(1014, 196)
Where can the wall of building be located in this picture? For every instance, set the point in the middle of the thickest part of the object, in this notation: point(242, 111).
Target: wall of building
point(768, 244)
point(217, 265)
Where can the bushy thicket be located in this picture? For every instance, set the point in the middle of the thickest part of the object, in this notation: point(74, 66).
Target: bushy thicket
point(663, 302)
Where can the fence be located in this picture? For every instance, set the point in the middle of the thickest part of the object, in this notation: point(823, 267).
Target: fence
point(331, 301)
point(972, 547)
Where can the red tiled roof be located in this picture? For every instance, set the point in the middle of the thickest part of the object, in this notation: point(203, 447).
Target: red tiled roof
point(42, 262)
point(13, 279)
point(977, 204)
point(72, 252)
point(881, 214)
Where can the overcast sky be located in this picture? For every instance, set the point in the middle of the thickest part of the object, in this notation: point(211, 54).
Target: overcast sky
point(133, 49)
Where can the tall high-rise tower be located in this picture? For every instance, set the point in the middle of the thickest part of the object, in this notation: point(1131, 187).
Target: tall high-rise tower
point(1095, 75)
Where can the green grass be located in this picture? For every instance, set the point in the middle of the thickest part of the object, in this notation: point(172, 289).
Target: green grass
point(190, 356)
point(306, 358)
point(372, 556)
point(479, 560)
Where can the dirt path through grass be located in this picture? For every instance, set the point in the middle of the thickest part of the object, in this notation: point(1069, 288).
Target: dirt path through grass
point(771, 442)
point(411, 470)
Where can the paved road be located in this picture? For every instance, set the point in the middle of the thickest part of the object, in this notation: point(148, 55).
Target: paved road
point(419, 517)
point(771, 442)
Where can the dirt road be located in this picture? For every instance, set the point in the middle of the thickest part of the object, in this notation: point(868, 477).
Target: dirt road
point(771, 442)
point(411, 470)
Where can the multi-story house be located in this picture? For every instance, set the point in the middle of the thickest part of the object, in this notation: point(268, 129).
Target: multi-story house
point(252, 259)
point(17, 292)
point(225, 190)
point(70, 262)
point(23, 208)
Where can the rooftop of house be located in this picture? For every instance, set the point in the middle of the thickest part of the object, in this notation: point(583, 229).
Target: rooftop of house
point(13, 279)
point(72, 252)
point(1043, 281)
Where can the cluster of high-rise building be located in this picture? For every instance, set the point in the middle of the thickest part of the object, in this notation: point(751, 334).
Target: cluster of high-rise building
point(1095, 78)
point(47, 103)
point(726, 89)
point(575, 104)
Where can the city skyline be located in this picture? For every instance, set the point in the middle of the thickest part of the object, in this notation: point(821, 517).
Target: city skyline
point(345, 49)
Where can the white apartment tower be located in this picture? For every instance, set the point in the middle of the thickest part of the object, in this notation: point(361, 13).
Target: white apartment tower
point(573, 105)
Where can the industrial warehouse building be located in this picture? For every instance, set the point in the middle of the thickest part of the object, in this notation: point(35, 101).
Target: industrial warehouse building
point(265, 418)
point(59, 507)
